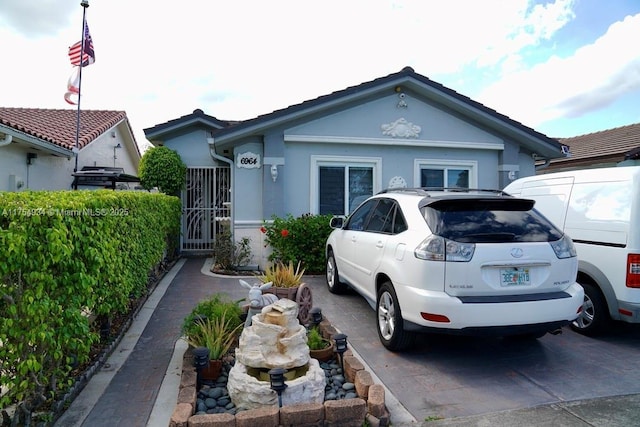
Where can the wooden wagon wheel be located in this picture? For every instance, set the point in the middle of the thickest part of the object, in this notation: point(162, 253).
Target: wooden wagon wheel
point(304, 298)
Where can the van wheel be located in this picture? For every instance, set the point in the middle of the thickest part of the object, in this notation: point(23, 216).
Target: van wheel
point(333, 279)
point(594, 316)
point(390, 325)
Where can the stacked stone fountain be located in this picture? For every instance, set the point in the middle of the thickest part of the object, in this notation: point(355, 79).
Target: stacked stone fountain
point(275, 339)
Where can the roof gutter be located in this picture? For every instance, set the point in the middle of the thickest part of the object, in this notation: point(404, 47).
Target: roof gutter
point(6, 140)
point(216, 156)
point(38, 143)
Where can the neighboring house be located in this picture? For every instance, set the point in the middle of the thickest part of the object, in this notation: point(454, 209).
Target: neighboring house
point(325, 155)
point(612, 147)
point(37, 146)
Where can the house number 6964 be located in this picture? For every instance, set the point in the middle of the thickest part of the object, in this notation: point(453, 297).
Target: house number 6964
point(248, 160)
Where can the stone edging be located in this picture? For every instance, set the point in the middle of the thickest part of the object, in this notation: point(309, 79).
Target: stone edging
point(369, 405)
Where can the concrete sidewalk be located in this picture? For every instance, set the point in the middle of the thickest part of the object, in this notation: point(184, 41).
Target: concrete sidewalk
point(138, 385)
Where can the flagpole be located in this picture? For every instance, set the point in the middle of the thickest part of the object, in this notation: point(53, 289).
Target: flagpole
point(85, 5)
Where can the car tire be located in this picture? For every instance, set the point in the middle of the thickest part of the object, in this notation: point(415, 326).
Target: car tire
point(389, 320)
point(594, 317)
point(333, 279)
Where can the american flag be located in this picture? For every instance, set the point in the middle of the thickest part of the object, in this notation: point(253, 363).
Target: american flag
point(83, 56)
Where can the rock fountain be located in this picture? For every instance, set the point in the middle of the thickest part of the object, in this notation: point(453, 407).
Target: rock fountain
point(275, 339)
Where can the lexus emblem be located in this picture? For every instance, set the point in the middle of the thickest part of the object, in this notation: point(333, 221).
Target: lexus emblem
point(516, 252)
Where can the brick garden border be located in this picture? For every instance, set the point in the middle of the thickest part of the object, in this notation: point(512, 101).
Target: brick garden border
point(369, 405)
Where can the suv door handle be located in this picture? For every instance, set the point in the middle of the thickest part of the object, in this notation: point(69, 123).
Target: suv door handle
point(379, 244)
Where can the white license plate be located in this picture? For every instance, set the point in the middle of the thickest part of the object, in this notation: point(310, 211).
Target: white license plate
point(516, 276)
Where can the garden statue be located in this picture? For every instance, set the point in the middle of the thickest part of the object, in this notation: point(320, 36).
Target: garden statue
point(257, 299)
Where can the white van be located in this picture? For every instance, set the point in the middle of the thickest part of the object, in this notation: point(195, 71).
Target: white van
point(600, 210)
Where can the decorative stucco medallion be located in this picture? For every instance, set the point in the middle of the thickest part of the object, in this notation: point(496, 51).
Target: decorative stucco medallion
point(401, 128)
point(397, 182)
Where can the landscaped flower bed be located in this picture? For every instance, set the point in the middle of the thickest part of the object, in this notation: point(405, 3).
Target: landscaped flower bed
point(367, 401)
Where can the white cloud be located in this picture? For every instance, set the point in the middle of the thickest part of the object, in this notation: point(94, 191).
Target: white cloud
point(593, 77)
point(34, 19)
point(239, 59)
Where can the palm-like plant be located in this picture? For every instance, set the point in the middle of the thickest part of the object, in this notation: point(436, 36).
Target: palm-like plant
point(218, 335)
point(283, 275)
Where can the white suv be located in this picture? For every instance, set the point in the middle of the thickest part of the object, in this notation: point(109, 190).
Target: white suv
point(455, 261)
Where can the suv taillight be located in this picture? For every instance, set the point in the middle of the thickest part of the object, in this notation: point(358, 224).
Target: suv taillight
point(633, 271)
point(564, 247)
point(436, 248)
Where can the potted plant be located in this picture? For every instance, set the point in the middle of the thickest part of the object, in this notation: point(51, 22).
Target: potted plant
point(319, 347)
point(287, 283)
point(218, 335)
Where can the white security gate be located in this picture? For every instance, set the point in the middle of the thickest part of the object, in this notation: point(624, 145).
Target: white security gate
point(206, 207)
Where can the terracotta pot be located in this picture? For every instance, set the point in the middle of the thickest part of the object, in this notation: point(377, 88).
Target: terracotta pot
point(323, 355)
point(212, 372)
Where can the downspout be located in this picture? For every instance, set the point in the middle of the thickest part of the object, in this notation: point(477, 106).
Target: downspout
point(544, 165)
point(216, 156)
point(6, 140)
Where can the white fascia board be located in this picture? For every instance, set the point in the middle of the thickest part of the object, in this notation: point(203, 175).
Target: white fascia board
point(395, 142)
point(43, 145)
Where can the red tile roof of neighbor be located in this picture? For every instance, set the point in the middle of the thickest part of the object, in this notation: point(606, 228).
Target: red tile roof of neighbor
point(59, 126)
point(607, 143)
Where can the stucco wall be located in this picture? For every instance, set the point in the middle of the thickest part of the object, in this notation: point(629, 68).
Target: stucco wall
point(48, 172)
point(193, 148)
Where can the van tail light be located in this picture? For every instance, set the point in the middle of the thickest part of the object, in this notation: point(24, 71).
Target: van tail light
point(633, 271)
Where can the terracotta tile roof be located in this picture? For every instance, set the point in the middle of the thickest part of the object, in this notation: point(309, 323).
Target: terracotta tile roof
point(58, 127)
point(615, 143)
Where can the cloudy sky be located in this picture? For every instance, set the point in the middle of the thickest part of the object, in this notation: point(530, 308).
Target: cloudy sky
point(563, 67)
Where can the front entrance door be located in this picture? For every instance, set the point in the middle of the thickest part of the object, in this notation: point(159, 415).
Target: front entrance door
point(206, 207)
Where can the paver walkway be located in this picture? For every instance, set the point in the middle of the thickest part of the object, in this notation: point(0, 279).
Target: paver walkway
point(129, 398)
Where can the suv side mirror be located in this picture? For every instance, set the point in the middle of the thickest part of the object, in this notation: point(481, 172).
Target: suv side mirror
point(336, 222)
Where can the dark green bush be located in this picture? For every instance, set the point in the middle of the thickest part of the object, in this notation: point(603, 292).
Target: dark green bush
point(298, 239)
point(163, 168)
point(67, 255)
point(212, 308)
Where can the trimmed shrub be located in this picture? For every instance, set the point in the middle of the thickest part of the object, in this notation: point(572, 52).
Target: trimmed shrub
point(163, 168)
point(298, 239)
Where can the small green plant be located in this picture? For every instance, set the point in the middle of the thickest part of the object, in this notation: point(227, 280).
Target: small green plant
point(283, 276)
point(216, 334)
point(316, 341)
point(433, 418)
point(216, 306)
point(229, 254)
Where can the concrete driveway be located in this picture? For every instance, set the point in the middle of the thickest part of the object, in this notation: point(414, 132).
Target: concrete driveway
point(451, 376)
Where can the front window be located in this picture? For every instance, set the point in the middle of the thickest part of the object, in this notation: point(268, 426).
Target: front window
point(341, 185)
point(445, 174)
point(446, 177)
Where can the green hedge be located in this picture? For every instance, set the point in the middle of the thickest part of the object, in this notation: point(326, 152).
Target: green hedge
point(65, 254)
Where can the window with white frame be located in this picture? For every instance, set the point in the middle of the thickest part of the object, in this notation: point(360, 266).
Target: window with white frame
point(340, 184)
point(451, 174)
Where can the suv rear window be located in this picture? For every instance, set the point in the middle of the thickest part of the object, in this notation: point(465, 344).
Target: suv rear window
point(494, 220)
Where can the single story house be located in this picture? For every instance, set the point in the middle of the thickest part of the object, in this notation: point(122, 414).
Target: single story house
point(612, 147)
point(325, 155)
point(38, 148)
